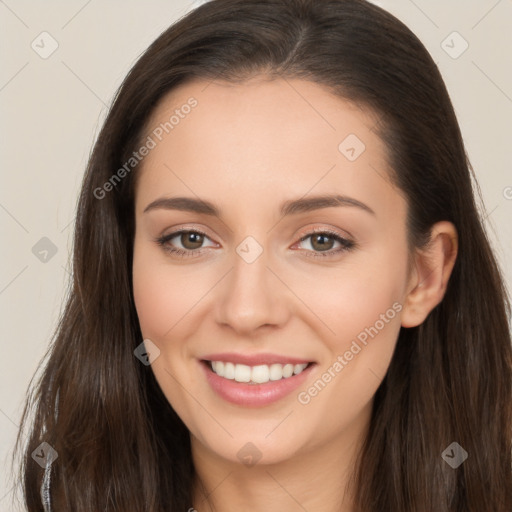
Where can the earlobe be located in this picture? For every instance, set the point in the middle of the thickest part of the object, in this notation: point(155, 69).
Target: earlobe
point(433, 266)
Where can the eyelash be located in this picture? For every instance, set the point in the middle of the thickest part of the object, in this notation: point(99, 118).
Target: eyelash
point(346, 245)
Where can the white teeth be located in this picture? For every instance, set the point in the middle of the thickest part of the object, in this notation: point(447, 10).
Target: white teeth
point(256, 374)
point(229, 371)
point(242, 373)
point(276, 372)
point(298, 368)
point(287, 370)
point(260, 374)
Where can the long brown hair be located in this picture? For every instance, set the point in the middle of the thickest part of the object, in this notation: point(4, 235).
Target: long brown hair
point(120, 445)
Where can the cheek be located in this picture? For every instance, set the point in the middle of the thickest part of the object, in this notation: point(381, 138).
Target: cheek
point(162, 294)
point(161, 297)
point(363, 308)
point(375, 318)
point(352, 297)
point(153, 297)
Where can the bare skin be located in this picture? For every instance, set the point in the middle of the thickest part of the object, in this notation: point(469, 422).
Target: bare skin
point(248, 148)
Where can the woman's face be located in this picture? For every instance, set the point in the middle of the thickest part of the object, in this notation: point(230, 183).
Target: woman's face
point(281, 276)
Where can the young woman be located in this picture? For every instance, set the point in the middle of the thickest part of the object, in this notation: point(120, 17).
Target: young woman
point(283, 297)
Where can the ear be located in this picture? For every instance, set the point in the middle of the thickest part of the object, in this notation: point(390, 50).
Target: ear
point(431, 271)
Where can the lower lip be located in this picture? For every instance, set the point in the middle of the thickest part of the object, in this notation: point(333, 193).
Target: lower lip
point(253, 395)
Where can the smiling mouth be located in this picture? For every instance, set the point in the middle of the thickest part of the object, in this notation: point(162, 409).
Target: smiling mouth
point(258, 374)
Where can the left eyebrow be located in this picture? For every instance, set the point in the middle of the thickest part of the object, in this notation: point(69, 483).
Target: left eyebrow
point(318, 202)
point(291, 207)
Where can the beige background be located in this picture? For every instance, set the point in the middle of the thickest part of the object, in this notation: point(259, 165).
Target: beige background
point(52, 109)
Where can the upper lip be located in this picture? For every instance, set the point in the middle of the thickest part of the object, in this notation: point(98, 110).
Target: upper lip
point(254, 359)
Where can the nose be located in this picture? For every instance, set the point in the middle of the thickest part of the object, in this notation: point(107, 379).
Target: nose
point(252, 297)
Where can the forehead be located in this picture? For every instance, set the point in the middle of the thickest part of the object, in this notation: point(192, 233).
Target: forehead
point(264, 138)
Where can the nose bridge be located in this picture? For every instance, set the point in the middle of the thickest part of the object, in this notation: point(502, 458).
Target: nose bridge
point(251, 295)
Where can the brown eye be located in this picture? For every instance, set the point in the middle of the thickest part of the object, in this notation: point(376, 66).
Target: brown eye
point(322, 242)
point(191, 240)
point(184, 243)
